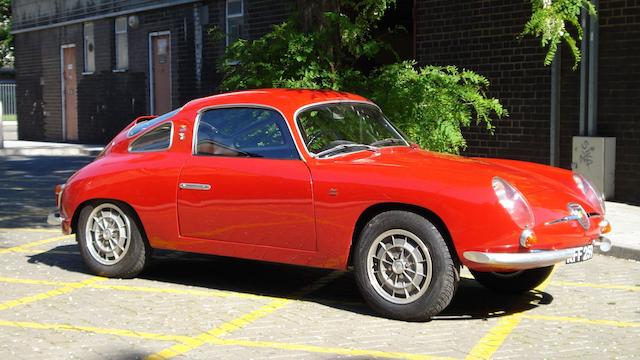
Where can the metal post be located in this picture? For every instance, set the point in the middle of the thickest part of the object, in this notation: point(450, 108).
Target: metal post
point(583, 73)
point(592, 110)
point(554, 126)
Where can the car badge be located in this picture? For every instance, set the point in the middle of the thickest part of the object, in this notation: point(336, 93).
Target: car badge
point(579, 214)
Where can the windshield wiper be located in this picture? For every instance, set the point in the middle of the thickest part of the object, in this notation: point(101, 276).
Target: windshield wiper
point(388, 141)
point(345, 147)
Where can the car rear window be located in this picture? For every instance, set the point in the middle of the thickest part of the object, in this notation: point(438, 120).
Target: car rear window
point(142, 126)
point(157, 139)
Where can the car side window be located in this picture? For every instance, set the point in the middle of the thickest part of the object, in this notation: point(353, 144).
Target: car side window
point(157, 139)
point(244, 132)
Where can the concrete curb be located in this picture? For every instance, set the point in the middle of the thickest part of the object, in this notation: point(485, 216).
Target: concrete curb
point(621, 252)
point(50, 151)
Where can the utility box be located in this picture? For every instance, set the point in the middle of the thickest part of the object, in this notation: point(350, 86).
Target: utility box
point(595, 159)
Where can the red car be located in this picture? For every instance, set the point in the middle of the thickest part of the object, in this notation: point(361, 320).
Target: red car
point(323, 179)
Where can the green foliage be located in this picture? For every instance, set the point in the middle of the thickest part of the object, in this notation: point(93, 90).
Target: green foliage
point(6, 39)
point(549, 21)
point(430, 104)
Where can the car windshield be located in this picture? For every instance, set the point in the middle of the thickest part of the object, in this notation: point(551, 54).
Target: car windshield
point(330, 129)
point(142, 126)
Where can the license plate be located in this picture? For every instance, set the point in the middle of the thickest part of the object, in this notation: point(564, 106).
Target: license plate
point(581, 254)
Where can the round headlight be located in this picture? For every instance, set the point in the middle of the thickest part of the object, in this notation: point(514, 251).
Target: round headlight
point(514, 202)
point(589, 190)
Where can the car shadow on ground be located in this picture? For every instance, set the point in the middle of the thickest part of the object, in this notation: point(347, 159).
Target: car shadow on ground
point(472, 301)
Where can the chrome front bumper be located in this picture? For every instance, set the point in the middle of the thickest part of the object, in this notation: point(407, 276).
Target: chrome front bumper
point(530, 260)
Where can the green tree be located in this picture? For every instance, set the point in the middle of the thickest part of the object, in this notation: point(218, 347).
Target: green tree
point(557, 21)
point(6, 39)
point(325, 43)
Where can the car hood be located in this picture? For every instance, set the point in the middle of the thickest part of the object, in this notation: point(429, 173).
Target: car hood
point(529, 178)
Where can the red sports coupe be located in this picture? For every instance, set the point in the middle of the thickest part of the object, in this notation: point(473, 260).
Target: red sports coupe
point(323, 179)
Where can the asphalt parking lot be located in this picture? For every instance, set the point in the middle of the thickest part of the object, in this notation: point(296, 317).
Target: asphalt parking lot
point(204, 307)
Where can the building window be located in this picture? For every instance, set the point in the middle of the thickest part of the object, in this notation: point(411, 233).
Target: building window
point(235, 19)
point(89, 49)
point(122, 45)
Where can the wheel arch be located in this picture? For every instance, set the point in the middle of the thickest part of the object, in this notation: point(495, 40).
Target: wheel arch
point(97, 201)
point(380, 208)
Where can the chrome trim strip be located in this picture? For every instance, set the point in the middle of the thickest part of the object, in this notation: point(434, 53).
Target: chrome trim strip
point(561, 220)
point(200, 111)
point(62, 186)
point(194, 186)
point(520, 261)
point(305, 107)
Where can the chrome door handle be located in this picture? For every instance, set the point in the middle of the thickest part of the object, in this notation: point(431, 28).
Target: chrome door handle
point(193, 186)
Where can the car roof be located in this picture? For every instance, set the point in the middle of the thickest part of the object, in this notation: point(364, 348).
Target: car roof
point(286, 100)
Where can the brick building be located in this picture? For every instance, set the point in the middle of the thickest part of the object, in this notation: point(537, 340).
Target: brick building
point(86, 68)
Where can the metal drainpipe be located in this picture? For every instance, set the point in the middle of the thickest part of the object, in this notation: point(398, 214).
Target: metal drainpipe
point(592, 118)
point(584, 65)
point(554, 128)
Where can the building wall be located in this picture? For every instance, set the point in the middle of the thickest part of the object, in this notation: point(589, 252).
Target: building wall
point(619, 90)
point(482, 35)
point(618, 94)
point(107, 100)
point(36, 13)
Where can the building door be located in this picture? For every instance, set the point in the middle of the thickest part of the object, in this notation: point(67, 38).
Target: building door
point(69, 93)
point(160, 63)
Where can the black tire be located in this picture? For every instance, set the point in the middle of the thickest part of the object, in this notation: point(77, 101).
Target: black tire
point(136, 256)
point(513, 282)
point(428, 300)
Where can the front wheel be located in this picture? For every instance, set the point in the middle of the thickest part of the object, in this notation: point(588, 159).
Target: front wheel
point(514, 282)
point(403, 266)
point(110, 241)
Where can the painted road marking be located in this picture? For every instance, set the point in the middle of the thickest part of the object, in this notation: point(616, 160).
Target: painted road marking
point(25, 247)
point(326, 350)
point(597, 286)
point(496, 336)
point(581, 320)
point(213, 293)
point(188, 341)
point(94, 330)
point(244, 320)
point(49, 294)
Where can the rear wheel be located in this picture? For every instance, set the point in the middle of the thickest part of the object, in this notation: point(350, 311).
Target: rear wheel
point(110, 241)
point(403, 266)
point(514, 282)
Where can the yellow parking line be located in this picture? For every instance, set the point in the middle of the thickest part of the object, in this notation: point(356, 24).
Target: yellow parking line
point(597, 286)
point(625, 324)
point(213, 293)
point(24, 247)
point(95, 330)
point(33, 282)
point(237, 323)
point(186, 341)
point(55, 292)
point(491, 342)
point(325, 350)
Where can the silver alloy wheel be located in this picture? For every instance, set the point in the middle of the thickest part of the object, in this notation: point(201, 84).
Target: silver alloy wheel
point(108, 234)
point(399, 266)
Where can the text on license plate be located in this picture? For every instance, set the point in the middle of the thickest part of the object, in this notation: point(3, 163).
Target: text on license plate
point(581, 254)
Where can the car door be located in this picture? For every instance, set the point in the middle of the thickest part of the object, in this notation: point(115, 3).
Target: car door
point(245, 181)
